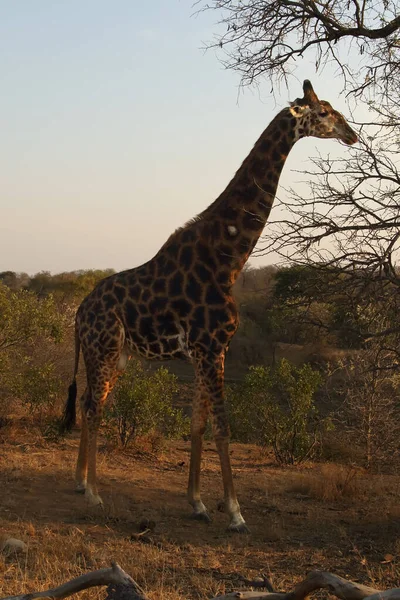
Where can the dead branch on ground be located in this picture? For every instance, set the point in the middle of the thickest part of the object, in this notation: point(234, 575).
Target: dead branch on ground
point(120, 586)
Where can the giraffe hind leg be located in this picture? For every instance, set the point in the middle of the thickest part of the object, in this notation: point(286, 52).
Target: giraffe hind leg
point(82, 464)
point(99, 388)
point(198, 425)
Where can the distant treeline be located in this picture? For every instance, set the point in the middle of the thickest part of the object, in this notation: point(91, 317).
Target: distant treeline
point(291, 305)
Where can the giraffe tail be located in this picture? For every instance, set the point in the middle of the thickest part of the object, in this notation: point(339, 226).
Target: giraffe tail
point(69, 417)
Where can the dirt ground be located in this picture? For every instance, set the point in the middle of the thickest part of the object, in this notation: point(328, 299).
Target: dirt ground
point(314, 517)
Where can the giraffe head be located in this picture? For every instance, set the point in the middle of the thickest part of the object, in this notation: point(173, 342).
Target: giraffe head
point(317, 118)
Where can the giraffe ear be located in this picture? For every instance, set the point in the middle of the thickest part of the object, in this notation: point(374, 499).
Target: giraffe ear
point(309, 95)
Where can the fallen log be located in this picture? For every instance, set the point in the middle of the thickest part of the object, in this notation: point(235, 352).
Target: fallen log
point(316, 580)
point(121, 586)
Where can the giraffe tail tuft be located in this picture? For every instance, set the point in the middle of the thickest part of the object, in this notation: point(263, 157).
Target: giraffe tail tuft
point(69, 417)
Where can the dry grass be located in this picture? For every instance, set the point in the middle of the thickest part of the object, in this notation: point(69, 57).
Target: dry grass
point(299, 520)
point(332, 483)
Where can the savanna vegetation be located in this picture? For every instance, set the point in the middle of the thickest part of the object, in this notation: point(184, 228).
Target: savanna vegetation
point(303, 359)
point(315, 430)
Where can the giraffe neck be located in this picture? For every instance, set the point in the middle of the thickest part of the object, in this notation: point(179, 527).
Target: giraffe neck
point(239, 214)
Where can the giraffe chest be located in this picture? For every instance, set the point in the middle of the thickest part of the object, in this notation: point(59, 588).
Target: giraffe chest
point(159, 336)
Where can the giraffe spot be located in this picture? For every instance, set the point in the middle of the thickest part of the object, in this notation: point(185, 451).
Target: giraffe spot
point(229, 213)
point(172, 345)
point(166, 324)
point(169, 267)
point(202, 272)
point(250, 192)
point(172, 249)
point(276, 135)
point(264, 146)
point(120, 293)
point(225, 254)
point(284, 146)
point(135, 337)
point(146, 295)
point(143, 308)
point(252, 221)
point(91, 317)
point(181, 306)
point(199, 316)
point(187, 235)
point(186, 257)
point(204, 254)
point(223, 277)
point(146, 280)
point(222, 336)
point(246, 244)
point(258, 166)
point(214, 296)
point(160, 286)
point(146, 329)
point(134, 291)
point(276, 156)
point(175, 284)
point(103, 338)
point(155, 348)
point(194, 331)
point(131, 313)
point(160, 260)
point(283, 124)
point(216, 317)
point(109, 301)
point(193, 289)
point(205, 339)
point(158, 304)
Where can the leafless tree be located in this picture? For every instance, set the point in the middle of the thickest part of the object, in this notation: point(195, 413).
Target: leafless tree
point(267, 37)
point(347, 221)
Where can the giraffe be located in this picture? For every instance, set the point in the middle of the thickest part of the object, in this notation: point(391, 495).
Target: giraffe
point(179, 304)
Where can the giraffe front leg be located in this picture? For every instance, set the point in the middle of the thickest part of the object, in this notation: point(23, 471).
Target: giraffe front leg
point(198, 425)
point(237, 523)
point(215, 381)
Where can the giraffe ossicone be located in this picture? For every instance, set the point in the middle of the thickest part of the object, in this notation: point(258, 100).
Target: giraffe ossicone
point(180, 303)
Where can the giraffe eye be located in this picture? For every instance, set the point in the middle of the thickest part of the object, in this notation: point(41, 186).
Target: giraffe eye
point(323, 113)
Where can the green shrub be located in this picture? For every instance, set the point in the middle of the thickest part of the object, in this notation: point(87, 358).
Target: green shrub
point(142, 404)
point(275, 407)
point(38, 386)
point(30, 330)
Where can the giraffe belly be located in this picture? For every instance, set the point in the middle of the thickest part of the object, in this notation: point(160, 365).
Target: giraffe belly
point(165, 350)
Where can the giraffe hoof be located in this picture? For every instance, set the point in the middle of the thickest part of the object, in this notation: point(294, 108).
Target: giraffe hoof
point(80, 488)
point(238, 528)
point(93, 499)
point(201, 516)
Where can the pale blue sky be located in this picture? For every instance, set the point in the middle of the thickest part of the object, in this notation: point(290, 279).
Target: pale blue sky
point(116, 128)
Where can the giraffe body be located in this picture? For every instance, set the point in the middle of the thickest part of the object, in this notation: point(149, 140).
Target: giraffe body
point(180, 303)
